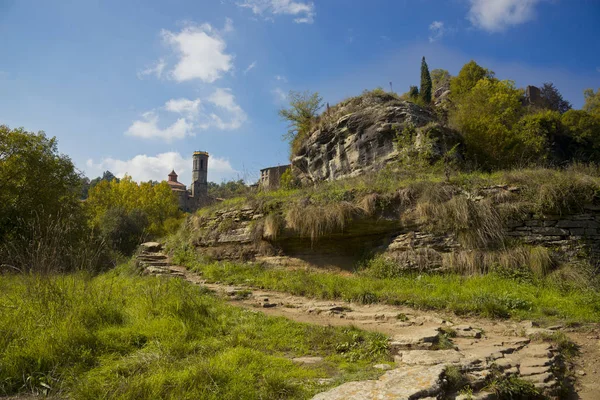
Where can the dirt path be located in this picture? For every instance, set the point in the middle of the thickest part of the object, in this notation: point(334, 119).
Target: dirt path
point(424, 343)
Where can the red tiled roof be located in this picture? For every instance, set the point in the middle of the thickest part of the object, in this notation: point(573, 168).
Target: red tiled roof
point(176, 185)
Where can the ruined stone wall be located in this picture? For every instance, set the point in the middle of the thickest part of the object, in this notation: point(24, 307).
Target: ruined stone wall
point(571, 234)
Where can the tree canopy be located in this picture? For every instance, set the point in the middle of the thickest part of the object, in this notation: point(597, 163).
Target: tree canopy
point(304, 108)
point(467, 78)
point(157, 202)
point(487, 116)
point(35, 179)
point(553, 100)
point(592, 101)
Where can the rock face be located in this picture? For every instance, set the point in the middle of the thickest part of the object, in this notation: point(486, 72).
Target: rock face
point(360, 136)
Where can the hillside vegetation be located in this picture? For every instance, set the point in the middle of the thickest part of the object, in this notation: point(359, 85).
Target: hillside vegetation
point(74, 325)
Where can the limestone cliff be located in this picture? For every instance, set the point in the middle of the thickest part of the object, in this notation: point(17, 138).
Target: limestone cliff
point(359, 135)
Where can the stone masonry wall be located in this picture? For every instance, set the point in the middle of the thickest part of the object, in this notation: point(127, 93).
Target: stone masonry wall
point(570, 234)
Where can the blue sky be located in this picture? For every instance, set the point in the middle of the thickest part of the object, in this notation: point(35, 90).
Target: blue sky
point(136, 86)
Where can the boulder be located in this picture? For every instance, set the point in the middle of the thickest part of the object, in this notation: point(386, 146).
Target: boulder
point(363, 139)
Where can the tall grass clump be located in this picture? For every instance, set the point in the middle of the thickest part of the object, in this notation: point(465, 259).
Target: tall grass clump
point(120, 336)
point(316, 220)
point(54, 244)
point(477, 224)
point(552, 191)
point(533, 260)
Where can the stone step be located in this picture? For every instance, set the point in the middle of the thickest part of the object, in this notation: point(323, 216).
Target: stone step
point(415, 338)
point(155, 263)
point(407, 382)
point(153, 258)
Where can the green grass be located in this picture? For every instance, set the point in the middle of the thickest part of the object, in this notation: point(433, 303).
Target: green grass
point(119, 336)
point(490, 295)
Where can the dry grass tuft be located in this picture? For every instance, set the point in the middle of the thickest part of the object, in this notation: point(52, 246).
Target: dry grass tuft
point(317, 220)
point(369, 203)
point(537, 260)
point(574, 275)
point(274, 224)
point(476, 223)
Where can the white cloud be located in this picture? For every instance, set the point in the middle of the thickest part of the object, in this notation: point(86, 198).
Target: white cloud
point(224, 101)
point(156, 69)
point(147, 128)
point(281, 78)
point(223, 114)
point(436, 31)
point(144, 168)
point(279, 94)
point(303, 11)
point(201, 53)
point(250, 67)
point(497, 15)
point(190, 108)
point(228, 25)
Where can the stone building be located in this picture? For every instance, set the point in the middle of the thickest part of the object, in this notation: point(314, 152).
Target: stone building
point(197, 196)
point(533, 96)
point(270, 177)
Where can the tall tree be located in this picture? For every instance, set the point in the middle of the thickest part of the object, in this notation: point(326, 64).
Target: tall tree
point(592, 101)
point(553, 100)
point(425, 82)
point(467, 78)
point(35, 179)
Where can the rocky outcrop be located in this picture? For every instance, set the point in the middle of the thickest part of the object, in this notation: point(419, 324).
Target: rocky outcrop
point(361, 137)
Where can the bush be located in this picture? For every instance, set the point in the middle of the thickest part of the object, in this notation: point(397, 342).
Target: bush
point(487, 116)
point(581, 138)
point(51, 244)
point(288, 181)
point(123, 230)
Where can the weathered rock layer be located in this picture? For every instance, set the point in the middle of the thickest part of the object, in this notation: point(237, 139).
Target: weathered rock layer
point(354, 142)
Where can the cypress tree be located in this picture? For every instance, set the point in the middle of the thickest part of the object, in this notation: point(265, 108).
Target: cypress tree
point(425, 91)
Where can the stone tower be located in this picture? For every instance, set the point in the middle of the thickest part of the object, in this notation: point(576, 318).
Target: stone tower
point(199, 175)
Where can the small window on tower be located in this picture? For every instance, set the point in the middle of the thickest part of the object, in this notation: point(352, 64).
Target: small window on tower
point(201, 164)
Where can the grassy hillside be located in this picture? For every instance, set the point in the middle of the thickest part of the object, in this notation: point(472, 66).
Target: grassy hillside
point(119, 336)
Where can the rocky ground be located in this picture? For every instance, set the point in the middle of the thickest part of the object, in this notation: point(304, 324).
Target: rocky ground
point(426, 344)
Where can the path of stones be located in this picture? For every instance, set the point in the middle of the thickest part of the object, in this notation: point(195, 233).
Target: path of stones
point(419, 372)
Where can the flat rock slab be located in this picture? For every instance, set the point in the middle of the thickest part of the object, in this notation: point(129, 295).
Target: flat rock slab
point(308, 360)
point(416, 338)
point(428, 357)
point(151, 246)
point(383, 367)
point(408, 382)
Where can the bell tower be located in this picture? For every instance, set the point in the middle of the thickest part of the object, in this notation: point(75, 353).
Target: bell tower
point(200, 174)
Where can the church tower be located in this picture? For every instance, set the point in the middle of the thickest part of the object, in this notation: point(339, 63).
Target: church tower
point(199, 175)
